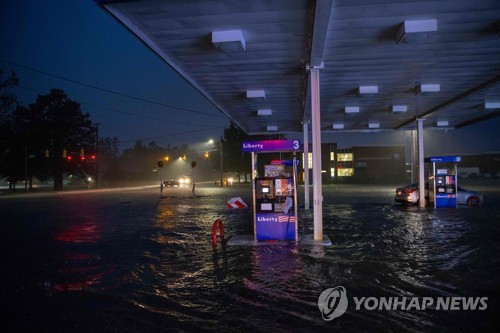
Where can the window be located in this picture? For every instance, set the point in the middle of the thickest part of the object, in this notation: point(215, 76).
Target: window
point(344, 157)
point(346, 172)
point(332, 173)
point(309, 159)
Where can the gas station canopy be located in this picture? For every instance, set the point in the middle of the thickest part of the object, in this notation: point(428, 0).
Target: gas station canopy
point(382, 63)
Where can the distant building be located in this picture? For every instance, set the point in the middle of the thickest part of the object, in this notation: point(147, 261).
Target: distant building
point(368, 164)
point(485, 165)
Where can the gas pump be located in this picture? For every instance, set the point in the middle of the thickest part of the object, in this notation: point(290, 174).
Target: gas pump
point(275, 193)
point(443, 180)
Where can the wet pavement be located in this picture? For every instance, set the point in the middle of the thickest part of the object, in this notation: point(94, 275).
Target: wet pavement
point(132, 261)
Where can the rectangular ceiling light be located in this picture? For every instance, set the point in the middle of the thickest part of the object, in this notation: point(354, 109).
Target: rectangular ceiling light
point(427, 88)
point(415, 31)
point(442, 123)
point(373, 125)
point(399, 108)
point(491, 105)
point(272, 128)
point(352, 109)
point(264, 112)
point(256, 94)
point(229, 40)
point(368, 90)
point(338, 126)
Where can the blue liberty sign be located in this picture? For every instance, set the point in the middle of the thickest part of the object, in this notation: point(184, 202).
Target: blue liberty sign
point(271, 145)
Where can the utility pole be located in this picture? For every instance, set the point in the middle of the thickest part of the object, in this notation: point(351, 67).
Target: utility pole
point(221, 162)
point(97, 155)
point(25, 165)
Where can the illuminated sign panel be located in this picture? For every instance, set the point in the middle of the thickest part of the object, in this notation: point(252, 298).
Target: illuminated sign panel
point(444, 159)
point(270, 145)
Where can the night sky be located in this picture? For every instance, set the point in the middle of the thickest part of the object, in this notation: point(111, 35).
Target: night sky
point(133, 94)
point(77, 40)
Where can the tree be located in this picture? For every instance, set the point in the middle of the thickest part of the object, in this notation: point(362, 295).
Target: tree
point(8, 101)
point(140, 161)
point(56, 124)
point(234, 159)
point(109, 160)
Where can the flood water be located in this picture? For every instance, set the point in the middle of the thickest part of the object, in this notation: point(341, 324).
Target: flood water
point(130, 261)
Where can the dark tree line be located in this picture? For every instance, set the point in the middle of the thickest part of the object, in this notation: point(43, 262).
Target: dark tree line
point(52, 137)
point(45, 139)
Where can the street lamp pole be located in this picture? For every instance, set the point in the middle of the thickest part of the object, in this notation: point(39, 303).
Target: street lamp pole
point(97, 155)
point(221, 152)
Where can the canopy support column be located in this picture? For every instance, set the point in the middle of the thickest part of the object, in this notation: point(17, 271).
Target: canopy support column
point(306, 166)
point(421, 176)
point(316, 154)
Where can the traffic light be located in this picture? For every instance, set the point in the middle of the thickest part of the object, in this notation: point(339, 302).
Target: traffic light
point(46, 153)
point(206, 154)
point(64, 153)
point(184, 157)
point(82, 153)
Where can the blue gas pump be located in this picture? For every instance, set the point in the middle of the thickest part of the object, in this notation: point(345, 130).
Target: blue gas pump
point(274, 193)
point(443, 180)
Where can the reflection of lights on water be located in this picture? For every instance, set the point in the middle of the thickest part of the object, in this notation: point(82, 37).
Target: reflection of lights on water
point(87, 232)
point(80, 271)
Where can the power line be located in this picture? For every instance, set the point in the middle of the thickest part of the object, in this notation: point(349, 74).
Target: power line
point(108, 90)
point(174, 134)
point(137, 115)
point(114, 110)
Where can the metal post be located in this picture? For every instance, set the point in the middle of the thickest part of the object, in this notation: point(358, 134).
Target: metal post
point(97, 155)
point(254, 202)
point(25, 165)
point(221, 162)
point(306, 166)
point(161, 181)
point(421, 176)
point(433, 184)
point(316, 155)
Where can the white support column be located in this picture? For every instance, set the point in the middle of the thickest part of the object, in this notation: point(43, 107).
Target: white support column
point(254, 202)
point(316, 155)
point(306, 166)
point(421, 175)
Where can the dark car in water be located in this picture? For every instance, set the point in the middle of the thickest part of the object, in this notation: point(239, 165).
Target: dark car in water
point(171, 183)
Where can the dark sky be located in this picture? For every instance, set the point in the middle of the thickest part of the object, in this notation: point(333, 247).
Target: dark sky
point(45, 41)
point(78, 41)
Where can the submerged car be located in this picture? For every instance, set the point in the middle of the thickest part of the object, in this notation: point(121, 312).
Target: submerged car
point(171, 183)
point(184, 181)
point(469, 197)
point(409, 195)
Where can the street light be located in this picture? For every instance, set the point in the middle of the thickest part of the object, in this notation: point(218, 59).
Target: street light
point(221, 152)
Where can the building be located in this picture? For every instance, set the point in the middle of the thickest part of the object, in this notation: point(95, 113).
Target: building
point(361, 164)
point(486, 165)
